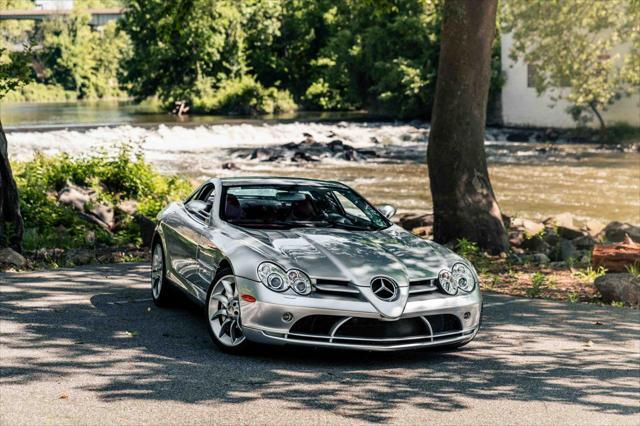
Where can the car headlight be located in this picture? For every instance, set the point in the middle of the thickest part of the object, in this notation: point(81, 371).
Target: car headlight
point(276, 279)
point(299, 281)
point(463, 276)
point(447, 283)
point(273, 276)
point(459, 277)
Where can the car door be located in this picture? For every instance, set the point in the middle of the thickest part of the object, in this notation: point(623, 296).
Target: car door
point(182, 231)
point(199, 235)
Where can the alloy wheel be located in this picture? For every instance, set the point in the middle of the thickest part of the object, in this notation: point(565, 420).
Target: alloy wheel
point(157, 271)
point(224, 312)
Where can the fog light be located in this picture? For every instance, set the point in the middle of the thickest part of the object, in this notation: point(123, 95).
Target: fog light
point(287, 317)
point(467, 315)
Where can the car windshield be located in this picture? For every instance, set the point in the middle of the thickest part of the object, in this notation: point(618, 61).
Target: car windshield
point(294, 206)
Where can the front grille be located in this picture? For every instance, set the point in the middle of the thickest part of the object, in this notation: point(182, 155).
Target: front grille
point(423, 286)
point(335, 287)
point(369, 331)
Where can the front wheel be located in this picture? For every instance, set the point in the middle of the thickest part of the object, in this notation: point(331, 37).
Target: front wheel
point(223, 315)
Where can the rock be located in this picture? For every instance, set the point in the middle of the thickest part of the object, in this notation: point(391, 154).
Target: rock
point(519, 136)
point(569, 233)
point(374, 140)
point(336, 145)
point(516, 238)
point(537, 258)
point(11, 257)
point(558, 265)
point(584, 242)
point(616, 257)
point(565, 225)
point(76, 196)
point(535, 244)
point(367, 152)
point(593, 227)
point(263, 154)
point(622, 287)
point(422, 231)
point(147, 228)
point(229, 166)
point(528, 226)
point(411, 221)
point(550, 237)
point(566, 250)
point(615, 231)
point(308, 138)
point(129, 207)
point(104, 214)
point(85, 202)
point(80, 256)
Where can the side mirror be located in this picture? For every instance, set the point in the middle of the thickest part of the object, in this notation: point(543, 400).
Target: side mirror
point(387, 210)
point(196, 206)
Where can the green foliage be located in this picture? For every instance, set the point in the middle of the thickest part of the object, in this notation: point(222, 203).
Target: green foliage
point(38, 92)
point(124, 175)
point(573, 297)
point(538, 284)
point(590, 274)
point(466, 248)
point(187, 40)
point(244, 96)
point(14, 71)
point(81, 59)
point(634, 269)
point(574, 47)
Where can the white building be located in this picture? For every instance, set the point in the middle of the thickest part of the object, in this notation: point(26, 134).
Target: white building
point(521, 105)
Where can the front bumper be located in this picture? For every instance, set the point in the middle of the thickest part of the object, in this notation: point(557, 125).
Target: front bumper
point(267, 319)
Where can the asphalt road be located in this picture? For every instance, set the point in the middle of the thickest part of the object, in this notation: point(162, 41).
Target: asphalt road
point(86, 346)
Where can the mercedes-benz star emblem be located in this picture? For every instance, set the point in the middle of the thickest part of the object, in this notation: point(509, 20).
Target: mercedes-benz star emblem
point(384, 289)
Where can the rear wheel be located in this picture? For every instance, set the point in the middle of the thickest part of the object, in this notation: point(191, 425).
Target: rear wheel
point(223, 315)
point(160, 288)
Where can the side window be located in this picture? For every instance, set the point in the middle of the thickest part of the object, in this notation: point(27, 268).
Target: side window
point(201, 204)
point(349, 207)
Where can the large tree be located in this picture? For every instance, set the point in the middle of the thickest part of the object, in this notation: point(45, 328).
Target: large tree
point(463, 200)
point(13, 72)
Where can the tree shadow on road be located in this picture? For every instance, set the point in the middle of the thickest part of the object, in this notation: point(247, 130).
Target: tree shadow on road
point(105, 328)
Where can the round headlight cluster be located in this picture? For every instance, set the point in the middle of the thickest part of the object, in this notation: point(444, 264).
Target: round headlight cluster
point(276, 279)
point(459, 277)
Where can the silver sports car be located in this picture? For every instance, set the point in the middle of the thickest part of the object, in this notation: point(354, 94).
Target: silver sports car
point(308, 262)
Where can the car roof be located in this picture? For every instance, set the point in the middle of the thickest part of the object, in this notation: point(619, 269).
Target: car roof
point(271, 180)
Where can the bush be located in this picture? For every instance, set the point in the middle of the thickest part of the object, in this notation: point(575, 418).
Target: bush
point(38, 92)
point(114, 178)
point(242, 96)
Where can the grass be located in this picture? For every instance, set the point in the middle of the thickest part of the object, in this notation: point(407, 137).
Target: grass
point(538, 284)
point(590, 274)
point(634, 269)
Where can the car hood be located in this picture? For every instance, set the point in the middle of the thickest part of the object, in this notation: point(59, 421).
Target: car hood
point(357, 256)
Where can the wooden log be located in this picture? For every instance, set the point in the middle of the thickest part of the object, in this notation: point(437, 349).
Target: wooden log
point(616, 257)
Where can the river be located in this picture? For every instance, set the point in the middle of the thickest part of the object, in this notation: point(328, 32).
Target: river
point(532, 180)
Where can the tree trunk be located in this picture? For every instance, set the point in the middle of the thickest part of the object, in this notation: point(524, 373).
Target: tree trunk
point(603, 127)
point(463, 200)
point(11, 224)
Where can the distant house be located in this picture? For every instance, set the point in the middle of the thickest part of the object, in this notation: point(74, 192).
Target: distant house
point(521, 105)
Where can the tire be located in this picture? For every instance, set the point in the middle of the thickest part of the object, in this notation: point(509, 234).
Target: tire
point(222, 310)
point(160, 286)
